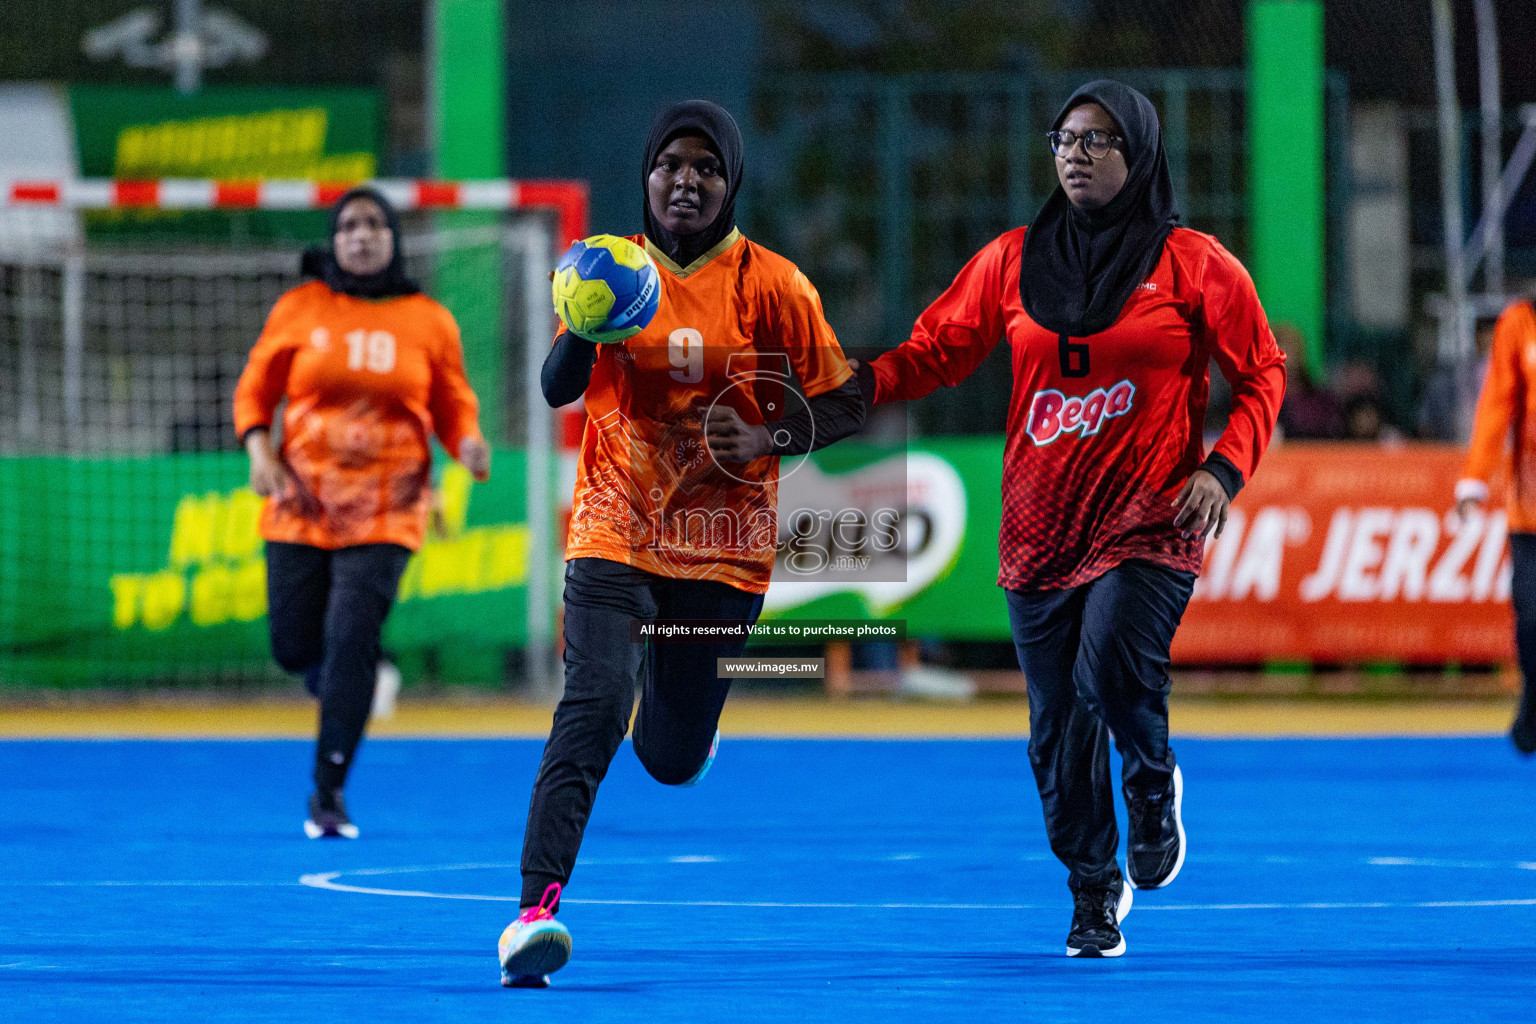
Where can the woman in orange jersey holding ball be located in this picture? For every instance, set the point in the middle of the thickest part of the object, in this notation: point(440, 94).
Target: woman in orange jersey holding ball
point(676, 497)
point(1504, 443)
point(371, 369)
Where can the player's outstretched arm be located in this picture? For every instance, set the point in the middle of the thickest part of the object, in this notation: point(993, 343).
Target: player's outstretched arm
point(261, 387)
point(949, 340)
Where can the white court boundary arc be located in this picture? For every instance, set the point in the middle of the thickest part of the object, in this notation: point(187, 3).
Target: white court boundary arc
point(328, 880)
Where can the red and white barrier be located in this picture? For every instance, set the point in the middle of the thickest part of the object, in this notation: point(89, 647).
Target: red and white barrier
point(567, 198)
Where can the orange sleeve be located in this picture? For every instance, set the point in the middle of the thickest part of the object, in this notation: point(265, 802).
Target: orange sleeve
point(1502, 389)
point(455, 409)
point(265, 377)
point(808, 339)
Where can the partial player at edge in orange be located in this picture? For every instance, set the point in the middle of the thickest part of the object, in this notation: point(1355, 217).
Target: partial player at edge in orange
point(1504, 438)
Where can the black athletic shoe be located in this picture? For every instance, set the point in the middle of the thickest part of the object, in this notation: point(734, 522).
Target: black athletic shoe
point(328, 817)
point(1155, 852)
point(1096, 917)
point(1523, 732)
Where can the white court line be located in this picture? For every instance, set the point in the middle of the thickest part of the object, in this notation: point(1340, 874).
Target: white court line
point(498, 865)
point(689, 859)
point(418, 868)
point(327, 880)
point(895, 858)
point(1431, 862)
point(903, 857)
point(1374, 905)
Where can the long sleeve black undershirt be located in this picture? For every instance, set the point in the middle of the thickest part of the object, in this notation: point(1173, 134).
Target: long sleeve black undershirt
point(567, 369)
point(830, 417)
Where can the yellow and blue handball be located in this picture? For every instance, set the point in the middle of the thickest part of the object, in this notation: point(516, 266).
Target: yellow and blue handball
point(606, 288)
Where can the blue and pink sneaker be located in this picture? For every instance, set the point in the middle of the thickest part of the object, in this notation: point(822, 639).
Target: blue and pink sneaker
point(714, 748)
point(535, 945)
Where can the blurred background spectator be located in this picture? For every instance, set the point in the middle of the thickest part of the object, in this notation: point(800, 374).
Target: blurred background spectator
point(1450, 395)
point(1310, 411)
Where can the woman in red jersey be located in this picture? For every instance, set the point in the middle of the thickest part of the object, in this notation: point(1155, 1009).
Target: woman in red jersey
point(675, 510)
point(371, 369)
point(1112, 313)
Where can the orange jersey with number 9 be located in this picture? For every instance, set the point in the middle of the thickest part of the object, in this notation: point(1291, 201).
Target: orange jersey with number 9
point(367, 382)
point(740, 326)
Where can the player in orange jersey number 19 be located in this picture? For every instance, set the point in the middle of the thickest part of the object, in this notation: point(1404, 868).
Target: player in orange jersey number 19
point(371, 368)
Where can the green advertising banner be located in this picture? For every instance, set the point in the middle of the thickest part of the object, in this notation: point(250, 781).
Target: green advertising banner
point(122, 569)
point(947, 586)
point(226, 132)
point(230, 133)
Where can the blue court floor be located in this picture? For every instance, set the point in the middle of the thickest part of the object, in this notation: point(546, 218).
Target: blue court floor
point(847, 881)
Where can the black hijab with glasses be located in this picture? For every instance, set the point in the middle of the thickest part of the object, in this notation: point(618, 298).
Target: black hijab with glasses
point(1080, 266)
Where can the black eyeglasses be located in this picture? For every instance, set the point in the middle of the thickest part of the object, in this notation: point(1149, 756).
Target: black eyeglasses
point(1096, 144)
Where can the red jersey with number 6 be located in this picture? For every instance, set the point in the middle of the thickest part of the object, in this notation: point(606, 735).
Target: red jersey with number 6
point(1103, 431)
point(367, 382)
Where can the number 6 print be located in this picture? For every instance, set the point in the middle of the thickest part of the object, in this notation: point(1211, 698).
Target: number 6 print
point(1073, 355)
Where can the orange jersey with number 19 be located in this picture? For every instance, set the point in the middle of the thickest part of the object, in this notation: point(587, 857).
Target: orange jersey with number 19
point(367, 382)
point(737, 326)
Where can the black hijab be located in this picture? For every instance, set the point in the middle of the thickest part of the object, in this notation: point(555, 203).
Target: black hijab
point(715, 125)
point(386, 284)
point(1080, 266)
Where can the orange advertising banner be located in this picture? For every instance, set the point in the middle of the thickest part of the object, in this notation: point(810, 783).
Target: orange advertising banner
point(1346, 553)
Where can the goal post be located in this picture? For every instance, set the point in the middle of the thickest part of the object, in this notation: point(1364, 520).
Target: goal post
point(127, 543)
point(567, 200)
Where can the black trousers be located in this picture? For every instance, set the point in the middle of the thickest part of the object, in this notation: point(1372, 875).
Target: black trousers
point(1095, 661)
point(680, 702)
point(1522, 554)
point(325, 611)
